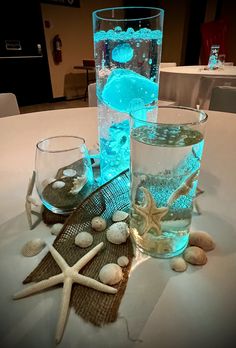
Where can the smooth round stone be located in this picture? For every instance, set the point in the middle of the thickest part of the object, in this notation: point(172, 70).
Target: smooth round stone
point(123, 86)
point(69, 172)
point(122, 53)
point(58, 184)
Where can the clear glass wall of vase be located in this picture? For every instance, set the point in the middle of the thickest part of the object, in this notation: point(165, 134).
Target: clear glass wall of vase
point(127, 51)
point(64, 173)
point(166, 150)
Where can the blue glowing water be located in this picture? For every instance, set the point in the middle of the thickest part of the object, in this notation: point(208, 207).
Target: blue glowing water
point(115, 153)
point(130, 34)
point(127, 79)
point(124, 86)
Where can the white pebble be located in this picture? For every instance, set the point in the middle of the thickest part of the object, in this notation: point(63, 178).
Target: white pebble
point(118, 232)
point(56, 229)
point(98, 223)
point(111, 274)
point(119, 215)
point(178, 264)
point(69, 172)
point(58, 184)
point(84, 239)
point(123, 261)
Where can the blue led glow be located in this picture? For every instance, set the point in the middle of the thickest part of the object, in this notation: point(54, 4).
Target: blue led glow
point(124, 85)
point(122, 53)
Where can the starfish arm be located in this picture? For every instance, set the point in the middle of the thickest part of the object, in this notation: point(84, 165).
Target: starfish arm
point(140, 210)
point(145, 227)
point(94, 284)
point(157, 227)
point(58, 258)
point(87, 257)
point(148, 198)
point(44, 284)
point(63, 308)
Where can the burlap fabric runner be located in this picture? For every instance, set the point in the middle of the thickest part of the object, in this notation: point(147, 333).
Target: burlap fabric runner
point(94, 306)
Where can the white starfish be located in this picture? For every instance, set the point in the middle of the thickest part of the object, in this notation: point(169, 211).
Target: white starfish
point(151, 214)
point(68, 276)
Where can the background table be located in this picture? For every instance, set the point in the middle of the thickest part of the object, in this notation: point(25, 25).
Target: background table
point(161, 308)
point(192, 85)
point(90, 76)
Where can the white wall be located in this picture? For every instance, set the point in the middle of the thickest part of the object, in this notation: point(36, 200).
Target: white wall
point(74, 26)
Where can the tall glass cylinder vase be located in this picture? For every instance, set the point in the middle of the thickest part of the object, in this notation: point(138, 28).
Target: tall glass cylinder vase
point(165, 165)
point(127, 50)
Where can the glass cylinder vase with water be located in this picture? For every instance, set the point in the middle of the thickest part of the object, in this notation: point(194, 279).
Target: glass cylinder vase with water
point(127, 49)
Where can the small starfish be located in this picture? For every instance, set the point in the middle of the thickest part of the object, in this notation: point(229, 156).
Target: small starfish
point(68, 276)
point(151, 213)
point(184, 188)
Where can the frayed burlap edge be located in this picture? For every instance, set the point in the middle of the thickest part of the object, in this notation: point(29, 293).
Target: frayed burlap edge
point(93, 306)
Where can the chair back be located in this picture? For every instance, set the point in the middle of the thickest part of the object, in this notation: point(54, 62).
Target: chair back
point(92, 97)
point(207, 83)
point(212, 33)
point(8, 105)
point(89, 62)
point(223, 98)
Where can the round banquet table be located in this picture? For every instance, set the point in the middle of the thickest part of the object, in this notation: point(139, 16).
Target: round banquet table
point(160, 308)
point(192, 85)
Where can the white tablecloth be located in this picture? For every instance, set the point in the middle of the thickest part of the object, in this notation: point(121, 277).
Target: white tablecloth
point(192, 85)
point(161, 308)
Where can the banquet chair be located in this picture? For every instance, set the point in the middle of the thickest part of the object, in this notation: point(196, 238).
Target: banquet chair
point(223, 98)
point(92, 98)
point(207, 83)
point(167, 65)
point(8, 105)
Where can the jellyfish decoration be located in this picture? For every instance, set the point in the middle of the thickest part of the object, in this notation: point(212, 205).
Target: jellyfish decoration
point(122, 53)
point(125, 87)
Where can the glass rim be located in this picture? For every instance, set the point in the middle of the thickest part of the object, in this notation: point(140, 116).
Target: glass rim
point(39, 143)
point(95, 13)
point(194, 123)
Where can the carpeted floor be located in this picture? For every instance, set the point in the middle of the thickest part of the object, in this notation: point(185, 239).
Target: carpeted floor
point(76, 103)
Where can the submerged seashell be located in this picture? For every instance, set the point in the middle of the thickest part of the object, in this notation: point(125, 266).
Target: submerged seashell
point(119, 215)
point(69, 172)
point(123, 261)
point(195, 256)
point(201, 239)
point(58, 184)
point(56, 229)
point(118, 233)
point(98, 223)
point(111, 274)
point(178, 264)
point(84, 239)
point(33, 247)
point(78, 184)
